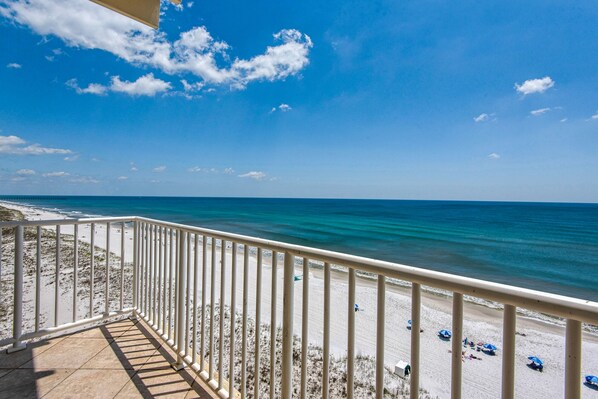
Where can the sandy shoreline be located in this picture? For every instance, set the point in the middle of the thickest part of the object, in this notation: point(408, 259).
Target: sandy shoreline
point(481, 378)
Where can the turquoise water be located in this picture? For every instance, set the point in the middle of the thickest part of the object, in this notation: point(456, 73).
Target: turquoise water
point(549, 247)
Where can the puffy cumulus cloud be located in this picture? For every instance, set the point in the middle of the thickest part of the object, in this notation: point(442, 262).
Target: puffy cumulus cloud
point(25, 172)
point(595, 116)
point(282, 108)
point(538, 112)
point(56, 174)
point(254, 175)
point(531, 86)
point(146, 85)
point(14, 145)
point(83, 24)
point(493, 156)
point(159, 169)
point(13, 65)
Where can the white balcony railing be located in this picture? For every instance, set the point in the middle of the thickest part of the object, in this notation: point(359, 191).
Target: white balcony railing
point(170, 266)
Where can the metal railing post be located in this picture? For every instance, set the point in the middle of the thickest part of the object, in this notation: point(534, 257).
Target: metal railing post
point(457, 361)
point(287, 326)
point(573, 359)
point(508, 353)
point(180, 319)
point(135, 266)
point(18, 293)
point(415, 340)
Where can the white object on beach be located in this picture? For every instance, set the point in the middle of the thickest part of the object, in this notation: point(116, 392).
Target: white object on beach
point(402, 369)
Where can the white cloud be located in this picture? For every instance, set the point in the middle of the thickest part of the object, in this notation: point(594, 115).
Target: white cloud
point(282, 108)
point(535, 85)
point(71, 158)
point(56, 174)
point(25, 172)
point(17, 178)
point(146, 85)
point(84, 180)
point(83, 24)
point(481, 118)
point(122, 177)
point(564, 120)
point(191, 87)
point(14, 65)
point(159, 169)
point(494, 156)
point(254, 175)
point(92, 88)
point(133, 167)
point(197, 169)
point(14, 145)
point(189, 4)
point(595, 116)
point(541, 111)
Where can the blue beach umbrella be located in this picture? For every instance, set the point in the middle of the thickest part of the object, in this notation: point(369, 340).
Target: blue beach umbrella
point(537, 361)
point(445, 333)
point(591, 379)
point(490, 347)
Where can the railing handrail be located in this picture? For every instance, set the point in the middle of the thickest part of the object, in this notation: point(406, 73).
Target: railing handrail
point(552, 304)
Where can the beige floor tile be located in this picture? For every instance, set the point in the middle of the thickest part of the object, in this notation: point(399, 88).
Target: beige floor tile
point(17, 359)
point(123, 355)
point(68, 353)
point(30, 383)
point(108, 331)
point(163, 382)
point(91, 384)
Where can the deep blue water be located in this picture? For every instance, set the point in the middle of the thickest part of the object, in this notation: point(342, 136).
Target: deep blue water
point(545, 246)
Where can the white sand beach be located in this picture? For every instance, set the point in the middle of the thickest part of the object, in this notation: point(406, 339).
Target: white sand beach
point(481, 377)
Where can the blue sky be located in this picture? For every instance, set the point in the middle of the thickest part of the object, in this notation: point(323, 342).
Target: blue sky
point(379, 99)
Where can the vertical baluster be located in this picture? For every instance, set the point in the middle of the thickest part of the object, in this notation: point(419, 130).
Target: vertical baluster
point(170, 279)
point(273, 326)
point(204, 266)
point(457, 361)
point(304, 328)
point(176, 288)
point(160, 314)
point(326, 358)
point(122, 266)
point(180, 299)
point(146, 272)
point(143, 267)
point(243, 383)
point(222, 300)
point(258, 322)
point(380, 320)
point(154, 275)
point(135, 265)
point(38, 276)
point(212, 300)
point(195, 284)
point(508, 353)
point(233, 297)
point(351, 334)
point(75, 268)
point(163, 261)
point(57, 278)
point(18, 293)
point(415, 339)
point(107, 290)
point(573, 359)
point(188, 296)
point(91, 268)
point(288, 303)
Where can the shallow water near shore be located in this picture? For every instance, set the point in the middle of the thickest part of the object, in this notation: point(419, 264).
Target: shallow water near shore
point(545, 246)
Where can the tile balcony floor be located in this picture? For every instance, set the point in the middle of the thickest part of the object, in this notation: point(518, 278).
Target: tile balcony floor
point(124, 359)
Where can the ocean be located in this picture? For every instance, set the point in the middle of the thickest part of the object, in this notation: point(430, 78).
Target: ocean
point(545, 246)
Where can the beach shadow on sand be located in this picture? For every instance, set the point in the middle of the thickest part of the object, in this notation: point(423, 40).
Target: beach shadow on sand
point(591, 386)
